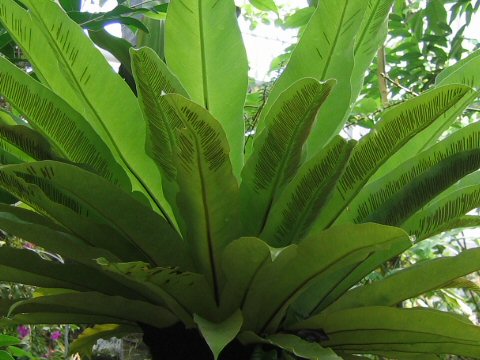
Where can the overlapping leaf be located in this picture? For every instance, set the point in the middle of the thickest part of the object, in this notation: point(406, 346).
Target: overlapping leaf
point(300, 203)
point(377, 329)
point(324, 51)
point(393, 198)
point(410, 282)
point(69, 132)
point(61, 47)
point(94, 303)
point(204, 48)
point(326, 255)
point(208, 191)
point(398, 125)
point(278, 149)
point(79, 201)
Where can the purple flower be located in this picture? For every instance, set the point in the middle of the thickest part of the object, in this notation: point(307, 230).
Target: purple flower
point(56, 335)
point(23, 331)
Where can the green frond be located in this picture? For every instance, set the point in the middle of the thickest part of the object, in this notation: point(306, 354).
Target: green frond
point(410, 282)
point(395, 197)
point(299, 204)
point(278, 150)
point(376, 329)
point(207, 197)
point(435, 217)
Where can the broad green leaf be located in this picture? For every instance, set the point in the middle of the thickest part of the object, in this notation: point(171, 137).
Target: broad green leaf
point(462, 283)
point(153, 80)
point(277, 151)
point(279, 283)
point(208, 191)
point(336, 282)
point(89, 337)
point(71, 5)
point(26, 267)
point(5, 355)
point(398, 125)
point(94, 303)
point(204, 48)
point(324, 51)
point(70, 134)
point(44, 232)
point(434, 217)
point(410, 282)
point(265, 5)
point(61, 47)
point(297, 207)
point(219, 335)
point(399, 194)
point(466, 181)
point(178, 290)
point(464, 71)
point(371, 35)
point(241, 260)
point(81, 201)
point(7, 340)
point(39, 52)
point(466, 221)
point(18, 352)
point(303, 348)
point(27, 142)
point(52, 318)
point(377, 328)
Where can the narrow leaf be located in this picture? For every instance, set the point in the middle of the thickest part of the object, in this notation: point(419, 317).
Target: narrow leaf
point(366, 329)
point(396, 196)
point(435, 217)
point(278, 150)
point(154, 79)
point(397, 126)
point(208, 190)
point(42, 231)
point(69, 132)
point(299, 204)
point(325, 51)
point(62, 47)
point(211, 64)
point(93, 303)
point(410, 282)
point(371, 35)
point(279, 283)
point(82, 205)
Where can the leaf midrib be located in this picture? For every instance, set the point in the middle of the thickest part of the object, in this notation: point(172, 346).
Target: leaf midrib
point(289, 149)
point(203, 55)
point(158, 106)
point(335, 42)
point(364, 32)
point(110, 221)
point(206, 212)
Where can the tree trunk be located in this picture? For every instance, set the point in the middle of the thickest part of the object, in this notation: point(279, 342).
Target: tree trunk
point(178, 343)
